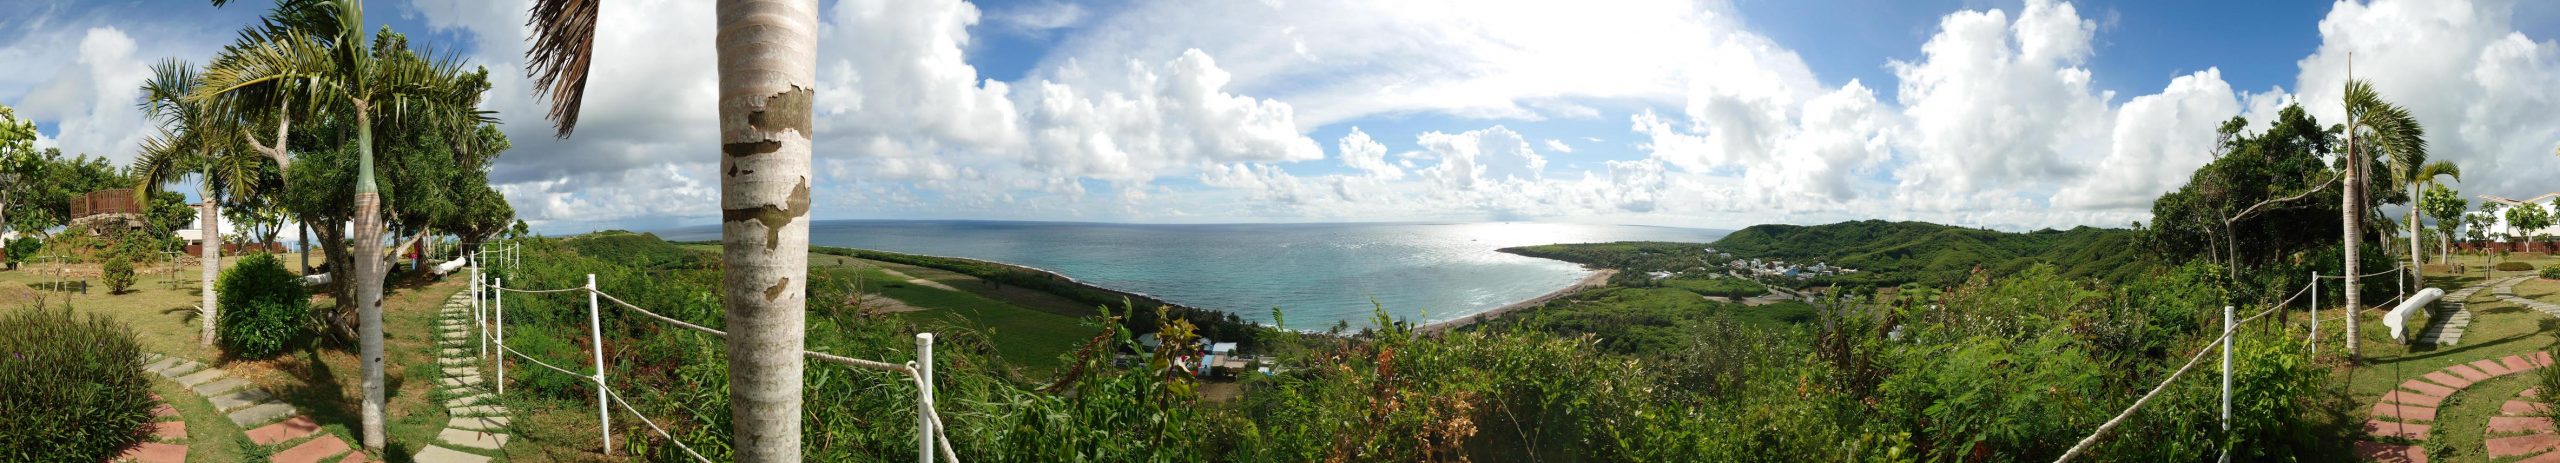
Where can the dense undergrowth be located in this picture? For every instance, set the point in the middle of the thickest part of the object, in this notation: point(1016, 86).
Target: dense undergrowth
point(2014, 368)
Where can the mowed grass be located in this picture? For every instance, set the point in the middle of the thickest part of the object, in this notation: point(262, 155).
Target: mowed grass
point(323, 380)
point(1028, 338)
point(2498, 329)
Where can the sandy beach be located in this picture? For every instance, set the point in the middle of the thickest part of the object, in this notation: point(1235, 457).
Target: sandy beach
point(1597, 279)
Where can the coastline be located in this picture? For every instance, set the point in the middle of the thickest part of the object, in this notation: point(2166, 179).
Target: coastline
point(1597, 278)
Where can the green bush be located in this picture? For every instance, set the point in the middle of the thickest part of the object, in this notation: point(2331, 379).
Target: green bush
point(71, 387)
point(23, 248)
point(2513, 266)
point(264, 308)
point(119, 274)
point(2552, 272)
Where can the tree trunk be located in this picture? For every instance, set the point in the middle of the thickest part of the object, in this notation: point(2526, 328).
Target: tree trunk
point(306, 245)
point(2354, 224)
point(368, 279)
point(767, 65)
point(211, 232)
point(2417, 274)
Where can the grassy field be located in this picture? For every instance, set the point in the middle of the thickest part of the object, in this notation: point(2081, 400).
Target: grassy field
point(1028, 328)
point(323, 380)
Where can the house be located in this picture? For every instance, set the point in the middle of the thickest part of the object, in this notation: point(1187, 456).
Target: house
point(1218, 355)
point(2499, 226)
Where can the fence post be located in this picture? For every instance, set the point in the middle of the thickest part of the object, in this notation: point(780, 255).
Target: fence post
point(595, 329)
point(2315, 314)
point(924, 398)
point(501, 295)
point(2227, 330)
point(479, 312)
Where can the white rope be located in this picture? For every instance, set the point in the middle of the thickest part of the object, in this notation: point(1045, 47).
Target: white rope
point(935, 417)
point(2380, 273)
point(539, 291)
point(529, 358)
point(653, 426)
point(2111, 424)
point(820, 356)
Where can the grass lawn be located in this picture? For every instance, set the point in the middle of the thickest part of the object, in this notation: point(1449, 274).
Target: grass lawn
point(1028, 338)
point(2498, 329)
point(323, 380)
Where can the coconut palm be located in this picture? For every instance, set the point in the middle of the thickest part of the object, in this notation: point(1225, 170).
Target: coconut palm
point(2415, 179)
point(191, 141)
point(767, 64)
point(2379, 127)
point(371, 82)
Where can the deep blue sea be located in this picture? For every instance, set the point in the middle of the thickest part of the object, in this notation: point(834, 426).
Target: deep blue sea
point(1316, 273)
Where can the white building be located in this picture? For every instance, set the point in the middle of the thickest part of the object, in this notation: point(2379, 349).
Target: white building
point(2501, 227)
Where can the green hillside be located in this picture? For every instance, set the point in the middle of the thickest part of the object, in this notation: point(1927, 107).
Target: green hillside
point(1893, 253)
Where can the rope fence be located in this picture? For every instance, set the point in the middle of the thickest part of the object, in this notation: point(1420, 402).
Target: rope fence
point(489, 312)
point(2222, 343)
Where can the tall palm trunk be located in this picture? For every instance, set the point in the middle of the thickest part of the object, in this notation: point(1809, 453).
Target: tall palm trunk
point(368, 278)
point(768, 62)
point(211, 253)
point(2417, 274)
point(2354, 224)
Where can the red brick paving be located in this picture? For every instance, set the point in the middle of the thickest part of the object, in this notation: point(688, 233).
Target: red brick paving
point(2387, 453)
point(2517, 363)
point(154, 452)
point(283, 431)
point(169, 430)
point(2522, 445)
point(2448, 379)
point(2518, 424)
point(2545, 457)
point(2540, 359)
point(2387, 428)
point(2428, 388)
point(163, 410)
point(2519, 407)
point(313, 451)
point(2467, 372)
point(2413, 398)
point(2407, 413)
point(2492, 367)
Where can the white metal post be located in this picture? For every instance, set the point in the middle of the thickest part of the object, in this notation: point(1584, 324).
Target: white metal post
point(479, 313)
point(2226, 376)
point(924, 398)
point(595, 329)
point(2315, 314)
point(501, 294)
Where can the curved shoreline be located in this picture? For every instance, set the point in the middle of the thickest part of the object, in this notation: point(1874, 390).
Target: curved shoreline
point(1597, 278)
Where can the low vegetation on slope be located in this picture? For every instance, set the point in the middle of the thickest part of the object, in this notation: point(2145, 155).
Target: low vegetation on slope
point(1893, 253)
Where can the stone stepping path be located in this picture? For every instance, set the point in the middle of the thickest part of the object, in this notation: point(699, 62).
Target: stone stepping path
point(2451, 318)
point(2409, 412)
point(2505, 290)
point(268, 422)
point(478, 422)
point(168, 442)
point(2523, 428)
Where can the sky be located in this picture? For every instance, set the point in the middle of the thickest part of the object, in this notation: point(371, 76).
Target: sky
point(1714, 114)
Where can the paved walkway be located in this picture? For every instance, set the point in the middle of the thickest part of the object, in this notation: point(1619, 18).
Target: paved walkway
point(269, 423)
point(2506, 291)
point(2406, 412)
point(168, 442)
point(2522, 428)
point(2452, 317)
point(478, 422)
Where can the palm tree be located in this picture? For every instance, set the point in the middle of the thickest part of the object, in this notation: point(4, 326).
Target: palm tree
point(2372, 125)
point(2413, 178)
point(767, 64)
point(347, 70)
point(191, 141)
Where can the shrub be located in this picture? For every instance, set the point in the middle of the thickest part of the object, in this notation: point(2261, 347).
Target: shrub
point(264, 308)
point(2552, 272)
point(71, 387)
point(119, 274)
point(23, 248)
point(2513, 266)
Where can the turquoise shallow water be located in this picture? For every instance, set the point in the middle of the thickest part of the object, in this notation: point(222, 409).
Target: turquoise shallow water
point(1316, 273)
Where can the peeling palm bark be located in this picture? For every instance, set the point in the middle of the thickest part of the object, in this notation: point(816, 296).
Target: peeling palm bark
point(768, 61)
point(368, 273)
point(210, 216)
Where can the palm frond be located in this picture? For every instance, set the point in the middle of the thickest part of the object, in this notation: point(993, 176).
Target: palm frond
point(564, 39)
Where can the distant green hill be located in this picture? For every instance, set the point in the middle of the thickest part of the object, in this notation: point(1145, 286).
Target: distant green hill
point(1893, 253)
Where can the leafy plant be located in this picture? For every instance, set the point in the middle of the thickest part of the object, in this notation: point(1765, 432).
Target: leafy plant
point(71, 386)
point(2514, 266)
point(264, 308)
point(118, 274)
point(2552, 272)
point(22, 249)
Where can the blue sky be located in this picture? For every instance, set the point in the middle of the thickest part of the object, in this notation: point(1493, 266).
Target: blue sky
point(2007, 114)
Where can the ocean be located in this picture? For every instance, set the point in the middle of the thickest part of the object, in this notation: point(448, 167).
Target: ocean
point(1317, 274)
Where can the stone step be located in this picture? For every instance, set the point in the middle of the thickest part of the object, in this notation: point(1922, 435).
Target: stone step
point(237, 399)
point(2393, 429)
point(261, 414)
point(2522, 445)
point(2393, 453)
point(455, 361)
point(472, 439)
point(313, 451)
point(181, 369)
point(468, 400)
point(2519, 424)
point(155, 365)
point(477, 423)
point(461, 371)
point(481, 410)
point(154, 452)
point(283, 431)
point(220, 387)
point(454, 353)
point(460, 381)
point(437, 454)
point(201, 377)
point(169, 431)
